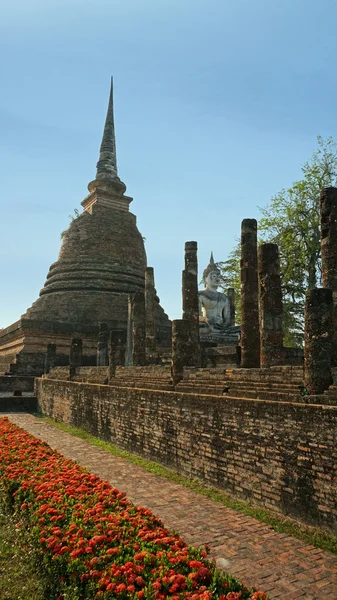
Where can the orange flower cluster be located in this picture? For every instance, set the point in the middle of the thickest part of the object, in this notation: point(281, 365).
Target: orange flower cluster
point(93, 542)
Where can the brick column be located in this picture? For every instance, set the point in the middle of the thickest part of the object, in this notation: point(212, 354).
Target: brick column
point(120, 347)
point(75, 357)
point(318, 340)
point(190, 283)
point(138, 329)
point(150, 315)
point(329, 251)
point(102, 346)
point(231, 298)
point(191, 301)
point(250, 331)
point(128, 348)
point(114, 342)
point(184, 347)
point(50, 358)
point(271, 306)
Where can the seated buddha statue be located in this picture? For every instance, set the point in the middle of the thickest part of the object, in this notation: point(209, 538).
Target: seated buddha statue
point(214, 307)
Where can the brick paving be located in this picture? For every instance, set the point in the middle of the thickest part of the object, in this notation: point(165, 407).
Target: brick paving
point(284, 567)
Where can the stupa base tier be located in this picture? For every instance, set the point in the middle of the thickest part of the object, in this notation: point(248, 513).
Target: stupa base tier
point(23, 345)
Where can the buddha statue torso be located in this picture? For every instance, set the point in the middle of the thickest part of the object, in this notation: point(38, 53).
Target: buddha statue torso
point(214, 308)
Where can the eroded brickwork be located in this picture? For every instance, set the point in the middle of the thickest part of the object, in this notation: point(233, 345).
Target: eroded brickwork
point(75, 357)
point(250, 331)
point(318, 340)
point(113, 343)
point(185, 347)
point(280, 455)
point(191, 304)
point(102, 346)
point(180, 343)
point(329, 251)
point(271, 306)
point(138, 329)
point(150, 314)
point(329, 237)
point(50, 359)
point(190, 284)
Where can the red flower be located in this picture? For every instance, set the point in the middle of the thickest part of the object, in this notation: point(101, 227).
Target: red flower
point(91, 532)
point(76, 553)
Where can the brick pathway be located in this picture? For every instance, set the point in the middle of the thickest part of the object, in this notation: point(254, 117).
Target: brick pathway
point(282, 566)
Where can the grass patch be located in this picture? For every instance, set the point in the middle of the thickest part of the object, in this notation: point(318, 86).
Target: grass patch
point(20, 580)
point(310, 535)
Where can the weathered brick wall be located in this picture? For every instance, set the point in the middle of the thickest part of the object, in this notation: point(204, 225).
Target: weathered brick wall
point(10, 384)
point(83, 374)
point(280, 455)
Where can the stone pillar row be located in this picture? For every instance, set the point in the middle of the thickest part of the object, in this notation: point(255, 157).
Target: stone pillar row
point(185, 337)
point(320, 333)
point(185, 331)
point(261, 332)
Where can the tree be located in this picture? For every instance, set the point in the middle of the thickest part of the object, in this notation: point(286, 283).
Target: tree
point(292, 220)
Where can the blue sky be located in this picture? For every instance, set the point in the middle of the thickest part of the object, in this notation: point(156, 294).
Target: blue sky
point(217, 105)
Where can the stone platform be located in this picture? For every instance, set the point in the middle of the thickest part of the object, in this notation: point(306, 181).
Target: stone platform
point(277, 383)
point(229, 337)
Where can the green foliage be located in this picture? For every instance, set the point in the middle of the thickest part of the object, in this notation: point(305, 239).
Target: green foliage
point(292, 220)
point(20, 577)
point(72, 218)
point(230, 277)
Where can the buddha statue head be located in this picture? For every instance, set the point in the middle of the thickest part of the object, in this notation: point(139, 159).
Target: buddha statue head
point(211, 275)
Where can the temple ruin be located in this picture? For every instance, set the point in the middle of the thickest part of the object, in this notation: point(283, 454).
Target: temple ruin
point(101, 262)
point(227, 404)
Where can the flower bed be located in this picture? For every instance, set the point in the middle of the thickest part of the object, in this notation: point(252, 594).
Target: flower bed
point(92, 541)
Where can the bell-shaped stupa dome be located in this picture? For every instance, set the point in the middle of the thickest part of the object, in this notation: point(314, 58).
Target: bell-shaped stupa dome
point(102, 258)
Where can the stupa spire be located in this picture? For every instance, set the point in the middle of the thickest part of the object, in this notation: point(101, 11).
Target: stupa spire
point(107, 163)
point(107, 189)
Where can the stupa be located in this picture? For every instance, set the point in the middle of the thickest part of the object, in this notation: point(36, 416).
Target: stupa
point(102, 260)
